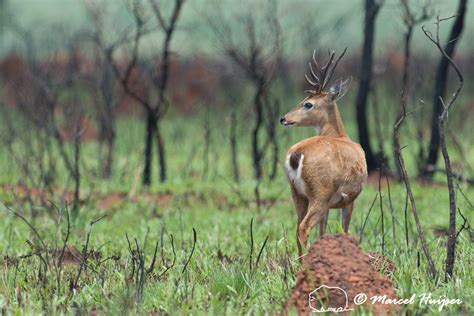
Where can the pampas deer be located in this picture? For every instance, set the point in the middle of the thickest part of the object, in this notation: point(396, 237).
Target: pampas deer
point(325, 171)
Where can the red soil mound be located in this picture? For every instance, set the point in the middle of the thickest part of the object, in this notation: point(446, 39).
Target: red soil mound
point(338, 261)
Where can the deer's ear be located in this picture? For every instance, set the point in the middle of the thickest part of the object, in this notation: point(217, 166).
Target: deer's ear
point(339, 89)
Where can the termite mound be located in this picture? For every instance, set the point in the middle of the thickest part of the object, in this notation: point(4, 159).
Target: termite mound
point(338, 261)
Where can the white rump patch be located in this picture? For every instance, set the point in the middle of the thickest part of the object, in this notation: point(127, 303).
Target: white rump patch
point(295, 175)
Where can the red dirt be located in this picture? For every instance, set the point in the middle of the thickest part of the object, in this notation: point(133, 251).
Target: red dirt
point(161, 199)
point(373, 179)
point(87, 126)
point(24, 193)
point(116, 199)
point(71, 255)
point(338, 261)
point(111, 200)
point(440, 231)
point(103, 201)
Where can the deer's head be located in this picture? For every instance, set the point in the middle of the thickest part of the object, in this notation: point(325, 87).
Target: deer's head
point(315, 109)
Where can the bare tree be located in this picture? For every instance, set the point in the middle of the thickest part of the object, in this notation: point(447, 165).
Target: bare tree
point(257, 61)
point(453, 234)
point(103, 85)
point(229, 83)
point(155, 108)
point(372, 8)
point(411, 20)
point(406, 180)
point(233, 146)
point(441, 82)
point(32, 150)
point(46, 94)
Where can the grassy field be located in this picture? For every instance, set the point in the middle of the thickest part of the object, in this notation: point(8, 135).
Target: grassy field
point(217, 278)
point(222, 247)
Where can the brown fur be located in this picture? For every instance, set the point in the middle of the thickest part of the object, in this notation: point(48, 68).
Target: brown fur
point(334, 167)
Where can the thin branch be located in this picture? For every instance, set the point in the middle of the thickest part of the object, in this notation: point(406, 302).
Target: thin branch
point(366, 218)
point(465, 224)
point(406, 180)
point(452, 237)
point(192, 251)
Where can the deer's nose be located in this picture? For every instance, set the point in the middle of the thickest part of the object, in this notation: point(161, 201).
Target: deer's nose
point(282, 120)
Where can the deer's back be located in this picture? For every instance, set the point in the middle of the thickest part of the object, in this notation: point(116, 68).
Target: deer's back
point(326, 164)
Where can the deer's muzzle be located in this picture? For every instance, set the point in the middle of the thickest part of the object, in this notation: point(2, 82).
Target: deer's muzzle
point(283, 121)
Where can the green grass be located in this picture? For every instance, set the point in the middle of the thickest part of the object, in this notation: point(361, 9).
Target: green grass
point(218, 279)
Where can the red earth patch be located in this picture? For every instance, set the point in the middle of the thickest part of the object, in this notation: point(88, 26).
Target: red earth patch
point(338, 261)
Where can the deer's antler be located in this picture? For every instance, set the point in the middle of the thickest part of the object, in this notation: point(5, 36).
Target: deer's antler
point(321, 76)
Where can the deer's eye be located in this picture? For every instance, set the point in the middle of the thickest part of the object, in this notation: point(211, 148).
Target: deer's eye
point(308, 105)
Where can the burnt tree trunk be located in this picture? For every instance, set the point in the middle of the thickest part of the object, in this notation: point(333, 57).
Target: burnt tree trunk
point(149, 132)
point(161, 152)
point(76, 172)
point(405, 78)
point(441, 82)
point(108, 121)
point(106, 146)
point(207, 145)
point(163, 82)
point(233, 146)
point(273, 109)
point(371, 10)
point(109, 153)
point(276, 154)
point(257, 152)
point(452, 233)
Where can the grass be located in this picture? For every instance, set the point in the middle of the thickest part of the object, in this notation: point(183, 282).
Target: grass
point(218, 279)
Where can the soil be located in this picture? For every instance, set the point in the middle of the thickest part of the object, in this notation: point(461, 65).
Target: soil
point(440, 231)
point(89, 131)
point(104, 201)
point(338, 261)
point(114, 200)
point(374, 177)
point(71, 255)
point(111, 200)
point(23, 193)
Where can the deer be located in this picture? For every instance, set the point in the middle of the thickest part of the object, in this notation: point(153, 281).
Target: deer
point(329, 170)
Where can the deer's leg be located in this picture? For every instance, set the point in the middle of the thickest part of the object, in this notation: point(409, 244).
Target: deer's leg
point(323, 224)
point(301, 207)
point(316, 214)
point(346, 216)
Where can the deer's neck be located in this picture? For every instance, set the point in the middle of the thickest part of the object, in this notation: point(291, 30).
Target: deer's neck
point(334, 126)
